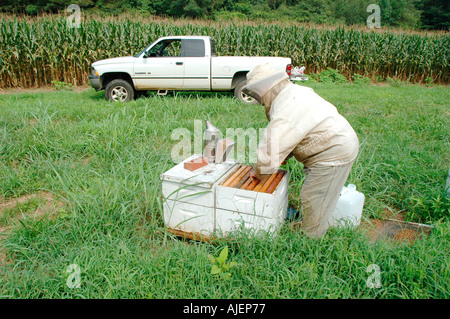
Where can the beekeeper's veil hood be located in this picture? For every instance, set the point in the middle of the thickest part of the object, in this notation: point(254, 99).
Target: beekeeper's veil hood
point(261, 79)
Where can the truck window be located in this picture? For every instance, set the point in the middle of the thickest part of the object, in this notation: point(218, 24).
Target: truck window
point(213, 48)
point(192, 48)
point(166, 48)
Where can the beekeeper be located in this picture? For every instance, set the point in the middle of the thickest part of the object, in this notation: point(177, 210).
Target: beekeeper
point(303, 125)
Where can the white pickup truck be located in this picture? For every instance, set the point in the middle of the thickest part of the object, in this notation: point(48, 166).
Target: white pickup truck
point(177, 63)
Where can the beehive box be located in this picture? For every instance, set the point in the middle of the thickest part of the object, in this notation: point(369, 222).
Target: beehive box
point(258, 205)
point(202, 202)
point(188, 196)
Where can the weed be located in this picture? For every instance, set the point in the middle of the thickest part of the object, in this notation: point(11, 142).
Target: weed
point(220, 266)
point(429, 208)
point(379, 78)
point(429, 81)
point(394, 82)
point(359, 79)
point(59, 85)
point(313, 77)
point(332, 76)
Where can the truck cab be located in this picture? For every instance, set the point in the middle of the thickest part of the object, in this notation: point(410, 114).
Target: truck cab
point(175, 63)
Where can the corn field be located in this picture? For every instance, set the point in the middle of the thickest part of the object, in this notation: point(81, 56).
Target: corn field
point(36, 52)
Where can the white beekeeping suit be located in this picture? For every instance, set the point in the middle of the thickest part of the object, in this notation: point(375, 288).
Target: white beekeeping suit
point(304, 125)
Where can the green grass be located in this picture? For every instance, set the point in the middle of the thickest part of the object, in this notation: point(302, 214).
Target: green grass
point(103, 162)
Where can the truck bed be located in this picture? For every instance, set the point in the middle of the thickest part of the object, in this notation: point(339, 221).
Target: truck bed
point(223, 68)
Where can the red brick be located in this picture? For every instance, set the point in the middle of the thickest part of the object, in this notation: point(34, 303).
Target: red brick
point(196, 163)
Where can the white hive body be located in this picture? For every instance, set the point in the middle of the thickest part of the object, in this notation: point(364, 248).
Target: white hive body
point(189, 196)
point(251, 209)
point(195, 201)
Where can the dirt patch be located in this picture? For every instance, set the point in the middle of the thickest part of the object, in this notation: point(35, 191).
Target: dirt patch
point(27, 206)
point(395, 230)
point(406, 234)
point(47, 197)
point(394, 226)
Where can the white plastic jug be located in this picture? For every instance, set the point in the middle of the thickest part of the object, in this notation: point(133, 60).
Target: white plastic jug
point(349, 207)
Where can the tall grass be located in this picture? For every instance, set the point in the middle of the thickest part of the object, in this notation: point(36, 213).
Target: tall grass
point(102, 161)
point(35, 52)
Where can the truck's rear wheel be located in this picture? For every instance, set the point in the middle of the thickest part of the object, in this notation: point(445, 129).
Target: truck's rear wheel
point(241, 96)
point(119, 91)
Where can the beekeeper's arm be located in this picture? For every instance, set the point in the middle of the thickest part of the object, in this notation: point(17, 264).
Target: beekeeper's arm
point(279, 140)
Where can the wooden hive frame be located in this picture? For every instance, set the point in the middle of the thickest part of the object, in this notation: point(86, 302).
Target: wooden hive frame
point(241, 179)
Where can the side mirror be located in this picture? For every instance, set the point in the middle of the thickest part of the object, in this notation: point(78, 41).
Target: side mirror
point(145, 56)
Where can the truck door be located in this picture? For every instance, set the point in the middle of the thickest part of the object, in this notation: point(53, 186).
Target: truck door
point(197, 64)
point(162, 67)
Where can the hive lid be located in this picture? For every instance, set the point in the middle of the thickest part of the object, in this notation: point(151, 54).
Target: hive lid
point(205, 176)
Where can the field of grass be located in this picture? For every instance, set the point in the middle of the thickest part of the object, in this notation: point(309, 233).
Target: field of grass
point(91, 172)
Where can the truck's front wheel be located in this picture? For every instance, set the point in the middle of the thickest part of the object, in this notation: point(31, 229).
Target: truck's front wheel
point(119, 91)
point(247, 99)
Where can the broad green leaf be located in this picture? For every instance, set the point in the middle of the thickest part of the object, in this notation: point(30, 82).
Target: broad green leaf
point(215, 270)
point(212, 259)
point(223, 255)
